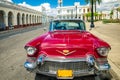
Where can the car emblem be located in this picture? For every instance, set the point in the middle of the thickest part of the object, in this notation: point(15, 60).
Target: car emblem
point(66, 52)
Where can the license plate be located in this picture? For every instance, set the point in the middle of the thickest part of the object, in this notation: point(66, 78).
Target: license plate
point(65, 73)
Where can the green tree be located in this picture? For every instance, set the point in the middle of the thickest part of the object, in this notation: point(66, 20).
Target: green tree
point(119, 9)
point(88, 15)
point(97, 1)
point(111, 14)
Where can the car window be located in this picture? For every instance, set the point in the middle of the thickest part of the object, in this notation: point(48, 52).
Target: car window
point(68, 25)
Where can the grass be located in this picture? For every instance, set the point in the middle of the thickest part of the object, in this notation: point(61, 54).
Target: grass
point(111, 20)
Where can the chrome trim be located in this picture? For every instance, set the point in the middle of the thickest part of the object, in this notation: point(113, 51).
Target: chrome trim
point(102, 67)
point(30, 65)
point(88, 59)
point(53, 74)
point(66, 53)
point(64, 59)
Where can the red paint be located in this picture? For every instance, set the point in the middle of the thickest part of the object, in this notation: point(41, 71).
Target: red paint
point(80, 42)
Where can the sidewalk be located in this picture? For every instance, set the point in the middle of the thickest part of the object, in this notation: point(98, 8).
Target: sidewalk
point(111, 34)
point(18, 29)
point(7, 33)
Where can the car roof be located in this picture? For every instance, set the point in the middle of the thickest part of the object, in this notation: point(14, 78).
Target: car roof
point(68, 20)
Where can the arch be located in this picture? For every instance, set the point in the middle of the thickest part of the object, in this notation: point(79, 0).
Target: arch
point(26, 18)
point(2, 20)
point(10, 19)
point(30, 19)
point(18, 19)
point(38, 19)
point(88, 10)
point(23, 18)
point(83, 10)
point(33, 19)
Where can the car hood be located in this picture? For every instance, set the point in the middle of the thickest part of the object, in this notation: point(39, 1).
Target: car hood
point(67, 43)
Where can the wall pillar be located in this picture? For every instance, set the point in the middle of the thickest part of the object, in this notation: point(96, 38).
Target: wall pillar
point(6, 19)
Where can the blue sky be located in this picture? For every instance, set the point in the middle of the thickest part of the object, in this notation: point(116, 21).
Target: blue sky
point(53, 3)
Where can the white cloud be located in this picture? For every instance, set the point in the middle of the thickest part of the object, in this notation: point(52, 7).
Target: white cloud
point(44, 7)
point(38, 8)
point(9, 0)
point(107, 5)
point(105, 1)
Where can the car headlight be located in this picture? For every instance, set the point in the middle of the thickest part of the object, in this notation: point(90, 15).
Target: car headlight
point(103, 51)
point(30, 50)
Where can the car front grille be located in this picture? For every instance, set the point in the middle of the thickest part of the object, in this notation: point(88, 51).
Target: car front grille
point(50, 66)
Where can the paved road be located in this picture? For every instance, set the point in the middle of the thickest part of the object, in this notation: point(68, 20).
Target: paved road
point(13, 55)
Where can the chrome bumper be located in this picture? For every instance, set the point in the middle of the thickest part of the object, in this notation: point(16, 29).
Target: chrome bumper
point(82, 66)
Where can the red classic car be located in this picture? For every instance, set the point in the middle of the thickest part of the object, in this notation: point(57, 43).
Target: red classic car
point(68, 51)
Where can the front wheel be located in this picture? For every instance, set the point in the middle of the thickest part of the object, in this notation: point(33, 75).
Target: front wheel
point(85, 78)
point(104, 76)
point(40, 77)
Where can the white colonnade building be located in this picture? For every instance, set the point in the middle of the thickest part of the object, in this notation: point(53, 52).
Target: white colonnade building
point(15, 16)
point(70, 12)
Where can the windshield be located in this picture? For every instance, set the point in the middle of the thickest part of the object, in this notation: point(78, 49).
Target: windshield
point(67, 25)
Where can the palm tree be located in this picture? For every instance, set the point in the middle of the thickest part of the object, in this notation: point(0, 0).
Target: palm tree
point(88, 15)
point(92, 13)
point(94, 2)
point(97, 1)
point(111, 14)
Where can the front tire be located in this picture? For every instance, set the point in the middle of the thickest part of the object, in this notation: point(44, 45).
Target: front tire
point(92, 77)
point(43, 77)
point(40, 77)
point(104, 76)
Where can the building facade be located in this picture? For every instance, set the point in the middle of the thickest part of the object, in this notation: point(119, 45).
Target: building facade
point(76, 11)
point(110, 10)
point(116, 13)
point(15, 16)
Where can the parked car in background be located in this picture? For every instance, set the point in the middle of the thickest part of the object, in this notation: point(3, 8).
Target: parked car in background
point(68, 51)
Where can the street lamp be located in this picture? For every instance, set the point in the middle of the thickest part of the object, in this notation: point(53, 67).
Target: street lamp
point(92, 16)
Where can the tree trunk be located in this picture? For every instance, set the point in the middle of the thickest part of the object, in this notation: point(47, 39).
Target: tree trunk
point(95, 10)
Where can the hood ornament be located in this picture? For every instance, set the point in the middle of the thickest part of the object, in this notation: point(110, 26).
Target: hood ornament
point(66, 52)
